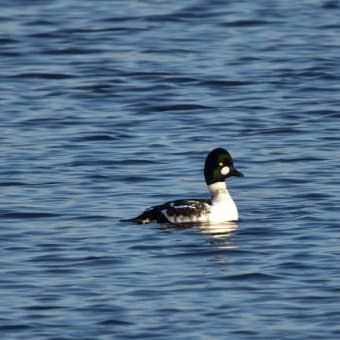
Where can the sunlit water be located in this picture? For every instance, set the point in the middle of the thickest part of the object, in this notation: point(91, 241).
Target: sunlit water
point(108, 107)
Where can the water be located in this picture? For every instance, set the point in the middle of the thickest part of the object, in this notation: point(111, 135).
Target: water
point(110, 107)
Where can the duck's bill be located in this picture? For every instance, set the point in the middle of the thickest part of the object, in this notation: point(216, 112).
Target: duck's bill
point(235, 172)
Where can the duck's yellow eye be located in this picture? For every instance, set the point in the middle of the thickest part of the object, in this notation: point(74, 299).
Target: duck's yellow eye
point(220, 163)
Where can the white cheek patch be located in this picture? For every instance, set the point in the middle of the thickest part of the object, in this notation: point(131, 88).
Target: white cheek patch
point(225, 171)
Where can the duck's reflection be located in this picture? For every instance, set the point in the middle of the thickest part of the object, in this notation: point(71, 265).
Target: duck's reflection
point(218, 231)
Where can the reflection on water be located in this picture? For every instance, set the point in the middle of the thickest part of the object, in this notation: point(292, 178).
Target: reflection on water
point(110, 106)
point(220, 230)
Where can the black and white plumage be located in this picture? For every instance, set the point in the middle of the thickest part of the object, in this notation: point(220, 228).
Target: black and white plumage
point(179, 211)
point(220, 208)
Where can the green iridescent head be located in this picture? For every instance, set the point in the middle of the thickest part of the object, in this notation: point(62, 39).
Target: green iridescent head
point(218, 166)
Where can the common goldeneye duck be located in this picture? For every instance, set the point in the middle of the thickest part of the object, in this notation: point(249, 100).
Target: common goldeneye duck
point(220, 208)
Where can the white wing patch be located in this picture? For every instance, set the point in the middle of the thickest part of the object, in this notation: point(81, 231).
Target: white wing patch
point(187, 211)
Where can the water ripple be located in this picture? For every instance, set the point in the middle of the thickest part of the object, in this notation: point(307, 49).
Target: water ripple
point(111, 107)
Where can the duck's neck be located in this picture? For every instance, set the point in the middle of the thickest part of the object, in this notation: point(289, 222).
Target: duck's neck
point(219, 191)
point(223, 206)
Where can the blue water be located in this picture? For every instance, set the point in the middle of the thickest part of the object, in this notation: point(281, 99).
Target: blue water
point(108, 107)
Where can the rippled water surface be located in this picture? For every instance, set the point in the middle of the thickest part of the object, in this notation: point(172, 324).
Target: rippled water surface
point(108, 107)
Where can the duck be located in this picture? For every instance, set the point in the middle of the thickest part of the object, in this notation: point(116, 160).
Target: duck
point(219, 208)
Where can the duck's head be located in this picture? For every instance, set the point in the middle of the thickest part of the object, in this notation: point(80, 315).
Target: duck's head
point(218, 166)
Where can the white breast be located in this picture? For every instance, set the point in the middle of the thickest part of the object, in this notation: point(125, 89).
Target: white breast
point(223, 207)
